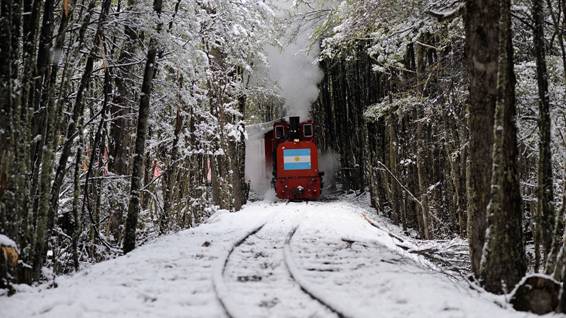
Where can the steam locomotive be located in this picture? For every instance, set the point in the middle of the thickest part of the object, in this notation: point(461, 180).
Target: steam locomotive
point(290, 149)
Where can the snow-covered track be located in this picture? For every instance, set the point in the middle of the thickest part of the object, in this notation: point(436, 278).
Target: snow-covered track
point(220, 289)
point(254, 280)
point(295, 272)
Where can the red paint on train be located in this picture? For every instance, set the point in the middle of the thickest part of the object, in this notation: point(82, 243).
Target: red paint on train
point(291, 151)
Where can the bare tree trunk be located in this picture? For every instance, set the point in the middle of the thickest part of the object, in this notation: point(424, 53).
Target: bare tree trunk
point(44, 124)
point(545, 191)
point(18, 183)
point(76, 228)
point(143, 115)
point(170, 177)
point(394, 166)
point(482, 38)
point(8, 120)
point(37, 96)
point(43, 215)
point(119, 126)
point(423, 157)
point(423, 160)
point(504, 262)
point(456, 157)
point(240, 162)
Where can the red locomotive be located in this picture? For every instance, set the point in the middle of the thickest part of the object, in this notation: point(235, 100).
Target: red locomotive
point(291, 151)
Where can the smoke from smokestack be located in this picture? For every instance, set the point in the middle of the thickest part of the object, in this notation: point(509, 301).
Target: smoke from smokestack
point(295, 66)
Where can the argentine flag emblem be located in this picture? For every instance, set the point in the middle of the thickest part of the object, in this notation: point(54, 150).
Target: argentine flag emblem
point(296, 159)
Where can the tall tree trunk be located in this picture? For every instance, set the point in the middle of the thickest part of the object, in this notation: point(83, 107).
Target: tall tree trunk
point(43, 215)
point(7, 121)
point(44, 90)
point(482, 38)
point(240, 166)
point(393, 162)
point(143, 115)
point(43, 154)
point(121, 111)
point(41, 82)
point(504, 262)
point(545, 191)
point(170, 176)
point(18, 182)
point(14, 160)
point(423, 157)
point(121, 105)
point(423, 161)
point(76, 220)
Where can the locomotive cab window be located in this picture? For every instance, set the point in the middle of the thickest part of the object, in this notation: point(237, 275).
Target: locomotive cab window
point(307, 130)
point(279, 132)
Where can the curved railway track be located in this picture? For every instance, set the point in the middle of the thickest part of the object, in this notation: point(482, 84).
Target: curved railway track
point(295, 273)
point(220, 289)
point(248, 280)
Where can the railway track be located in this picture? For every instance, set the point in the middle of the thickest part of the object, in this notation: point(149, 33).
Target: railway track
point(301, 280)
point(258, 277)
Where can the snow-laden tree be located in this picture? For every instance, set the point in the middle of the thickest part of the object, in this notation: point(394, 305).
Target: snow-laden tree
point(75, 115)
point(400, 67)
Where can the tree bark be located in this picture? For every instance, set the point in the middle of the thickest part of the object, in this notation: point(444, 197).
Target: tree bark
point(393, 162)
point(141, 135)
point(482, 38)
point(545, 191)
point(121, 105)
point(7, 120)
point(170, 176)
point(504, 262)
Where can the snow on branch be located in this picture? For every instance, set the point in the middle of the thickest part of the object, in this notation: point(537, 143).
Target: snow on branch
point(444, 12)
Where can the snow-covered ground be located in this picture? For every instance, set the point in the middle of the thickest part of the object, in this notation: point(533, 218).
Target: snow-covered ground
point(317, 259)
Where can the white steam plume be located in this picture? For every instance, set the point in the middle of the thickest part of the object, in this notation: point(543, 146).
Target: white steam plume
point(294, 67)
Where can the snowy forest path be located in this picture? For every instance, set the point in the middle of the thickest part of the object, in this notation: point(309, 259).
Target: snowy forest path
point(272, 260)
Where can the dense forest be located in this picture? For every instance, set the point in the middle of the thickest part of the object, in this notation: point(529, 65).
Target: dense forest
point(458, 123)
point(121, 121)
point(113, 114)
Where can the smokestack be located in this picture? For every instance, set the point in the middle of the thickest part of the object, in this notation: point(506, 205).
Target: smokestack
point(294, 127)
